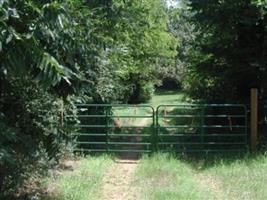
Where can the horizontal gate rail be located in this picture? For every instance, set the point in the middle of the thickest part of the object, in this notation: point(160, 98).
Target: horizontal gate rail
point(204, 126)
point(201, 116)
point(204, 135)
point(104, 126)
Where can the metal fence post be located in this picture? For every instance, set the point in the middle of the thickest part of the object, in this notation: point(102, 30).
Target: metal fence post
point(154, 131)
point(202, 126)
point(157, 129)
point(107, 128)
point(254, 119)
point(246, 126)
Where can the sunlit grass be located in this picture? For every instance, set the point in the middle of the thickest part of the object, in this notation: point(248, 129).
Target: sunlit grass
point(166, 97)
point(83, 183)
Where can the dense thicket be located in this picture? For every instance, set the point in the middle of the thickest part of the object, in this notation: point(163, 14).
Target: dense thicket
point(56, 53)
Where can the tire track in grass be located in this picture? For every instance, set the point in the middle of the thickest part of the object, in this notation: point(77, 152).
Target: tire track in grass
point(118, 181)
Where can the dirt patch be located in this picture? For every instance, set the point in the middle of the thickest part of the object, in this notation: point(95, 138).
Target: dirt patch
point(118, 181)
point(212, 184)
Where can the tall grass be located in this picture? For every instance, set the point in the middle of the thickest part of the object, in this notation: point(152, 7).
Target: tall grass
point(241, 179)
point(163, 177)
point(83, 183)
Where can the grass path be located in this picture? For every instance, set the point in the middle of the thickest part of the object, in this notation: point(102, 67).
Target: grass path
point(117, 184)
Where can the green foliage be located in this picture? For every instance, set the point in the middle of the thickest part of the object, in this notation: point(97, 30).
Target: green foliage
point(29, 35)
point(182, 27)
point(32, 132)
point(140, 43)
point(35, 65)
point(229, 54)
point(142, 88)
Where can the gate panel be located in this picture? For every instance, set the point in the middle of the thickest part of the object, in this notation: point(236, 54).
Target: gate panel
point(201, 128)
point(115, 128)
point(177, 128)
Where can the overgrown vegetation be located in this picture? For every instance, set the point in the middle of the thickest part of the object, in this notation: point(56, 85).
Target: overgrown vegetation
point(56, 53)
point(33, 133)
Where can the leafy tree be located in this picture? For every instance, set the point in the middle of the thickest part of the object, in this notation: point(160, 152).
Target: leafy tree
point(137, 41)
point(184, 29)
point(30, 41)
point(230, 51)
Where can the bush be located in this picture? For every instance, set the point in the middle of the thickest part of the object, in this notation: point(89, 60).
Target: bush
point(33, 134)
point(146, 92)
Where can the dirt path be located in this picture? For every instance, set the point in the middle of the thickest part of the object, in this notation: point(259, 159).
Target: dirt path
point(118, 181)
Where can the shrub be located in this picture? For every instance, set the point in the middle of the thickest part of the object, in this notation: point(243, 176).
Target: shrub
point(33, 134)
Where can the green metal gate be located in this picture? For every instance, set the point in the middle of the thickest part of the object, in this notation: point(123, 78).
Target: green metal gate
point(202, 128)
point(175, 128)
point(115, 128)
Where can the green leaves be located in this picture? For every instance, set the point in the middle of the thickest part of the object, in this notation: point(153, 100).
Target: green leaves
point(51, 71)
point(34, 40)
point(137, 39)
point(229, 52)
